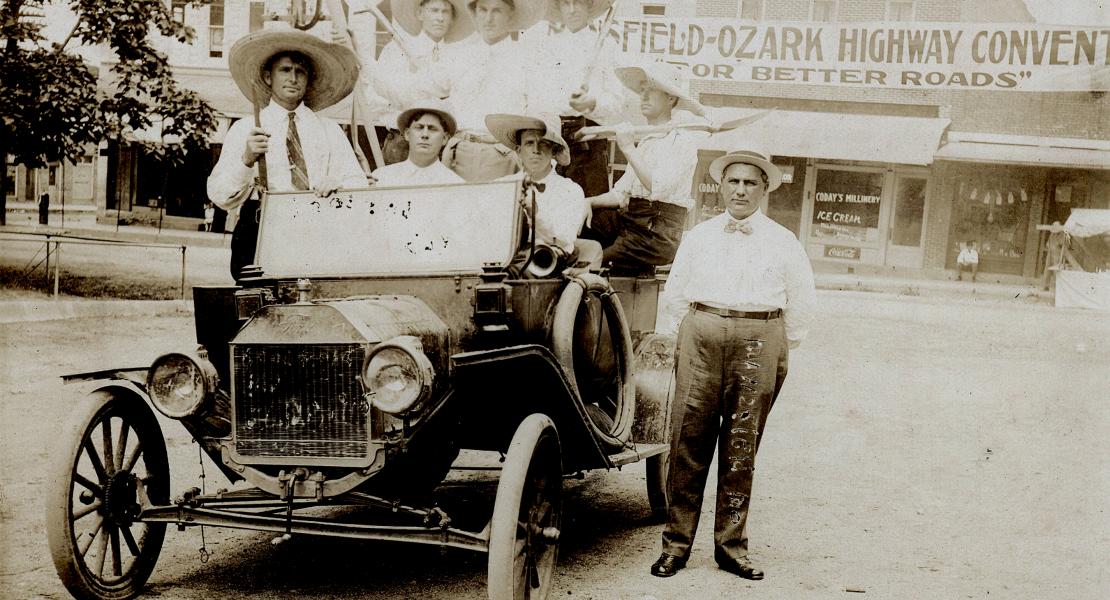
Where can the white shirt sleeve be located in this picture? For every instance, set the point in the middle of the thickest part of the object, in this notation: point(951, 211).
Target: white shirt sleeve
point(404, 85)
point(230, 180)
point(673, 303)
point(567, 221)
point(606, 89)
point(672, 176)
point(343, 166)
point(801, 295)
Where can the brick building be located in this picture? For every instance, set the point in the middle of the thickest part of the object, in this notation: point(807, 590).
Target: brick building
point(940, 166)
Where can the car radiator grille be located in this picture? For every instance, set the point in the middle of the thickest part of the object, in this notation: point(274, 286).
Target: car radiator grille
point(300, 401)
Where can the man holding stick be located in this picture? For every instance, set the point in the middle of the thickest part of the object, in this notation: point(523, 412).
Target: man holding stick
point(295, 74)
point(640, 221)
point(411, 70)
point(573, 78)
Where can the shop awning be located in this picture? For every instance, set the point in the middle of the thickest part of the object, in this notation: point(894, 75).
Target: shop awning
point(1026, 150)
point(835, 136)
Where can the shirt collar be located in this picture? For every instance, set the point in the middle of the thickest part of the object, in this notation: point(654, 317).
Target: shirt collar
point(751, 219)
point(274, 107)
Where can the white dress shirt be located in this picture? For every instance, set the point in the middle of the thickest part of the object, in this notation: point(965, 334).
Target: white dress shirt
point(763, 270)
point(672, 158)
point(404, 85)
point(407, 172)
point(561, 209)
point(327, 156)
point(559, 58)
point(486, 79)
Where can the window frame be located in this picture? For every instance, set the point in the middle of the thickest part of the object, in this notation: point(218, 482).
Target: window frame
point(834, 13)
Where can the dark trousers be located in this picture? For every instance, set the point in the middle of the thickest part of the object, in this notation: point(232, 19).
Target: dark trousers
point(589, 161)
point(642, 236)
point(728, 372)
point(245, 237)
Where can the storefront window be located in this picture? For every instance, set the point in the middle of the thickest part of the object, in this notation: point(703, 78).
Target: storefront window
point(991, 207)
point(846, 206)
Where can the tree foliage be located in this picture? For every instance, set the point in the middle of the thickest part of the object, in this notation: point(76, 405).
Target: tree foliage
point(51, 105)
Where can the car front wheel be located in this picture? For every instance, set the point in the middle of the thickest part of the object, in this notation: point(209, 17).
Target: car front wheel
point(112, 455)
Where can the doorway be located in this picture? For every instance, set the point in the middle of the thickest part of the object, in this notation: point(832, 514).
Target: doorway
point(906, 230)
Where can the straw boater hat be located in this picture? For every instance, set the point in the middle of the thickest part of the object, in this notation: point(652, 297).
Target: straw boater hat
point(507, 128)
point(664, 76)
point(407, 14)
point(334, 67)
point(597, 8)
point(435, 107)
point(749, 156)
point(526, 13)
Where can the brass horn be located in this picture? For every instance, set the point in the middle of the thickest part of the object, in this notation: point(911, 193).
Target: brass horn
point(547, 261)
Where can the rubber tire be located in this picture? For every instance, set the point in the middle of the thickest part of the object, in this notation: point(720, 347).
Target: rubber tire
point(83, 424)
point(613, 433)
point(533, 453)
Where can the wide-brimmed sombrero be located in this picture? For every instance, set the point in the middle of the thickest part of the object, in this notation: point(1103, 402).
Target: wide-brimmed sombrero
point(597, 8)
point(334, 67)
point(756, 157)
point(526, 13)
point(435, 107)
point(407, 14)
point(507, 128)
point(665, 76)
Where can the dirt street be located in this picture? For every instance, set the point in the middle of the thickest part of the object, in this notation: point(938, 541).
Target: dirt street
point(920, 449)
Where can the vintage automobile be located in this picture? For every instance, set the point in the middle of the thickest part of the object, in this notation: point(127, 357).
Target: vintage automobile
point(381, 332)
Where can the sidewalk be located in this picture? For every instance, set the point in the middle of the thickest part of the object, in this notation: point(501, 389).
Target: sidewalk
point(83, 224)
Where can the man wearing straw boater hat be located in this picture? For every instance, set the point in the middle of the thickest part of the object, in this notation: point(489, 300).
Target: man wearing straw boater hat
point(488, 75)
point(572, 76)
point(411, 70)
point(426, 126)
point(742, 288)
point(641, 219)
point(561, 206)
point(288, 75)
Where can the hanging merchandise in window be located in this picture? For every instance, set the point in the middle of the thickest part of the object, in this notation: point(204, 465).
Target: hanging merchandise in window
point(993, 210)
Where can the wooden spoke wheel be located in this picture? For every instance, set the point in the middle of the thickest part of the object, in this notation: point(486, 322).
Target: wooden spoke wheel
point(527, 514)
point(113, 455)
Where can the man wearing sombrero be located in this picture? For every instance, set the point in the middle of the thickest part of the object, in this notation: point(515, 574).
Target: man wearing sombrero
point(561, 206)
point(742, 288)
point(488, 75)
point(426, 127)
point(433, 26)
point(292, 74)
point(640, 220)
point(573, 78)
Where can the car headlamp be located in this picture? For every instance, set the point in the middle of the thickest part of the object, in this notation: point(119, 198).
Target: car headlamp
point(180, 384)
point(397, 375)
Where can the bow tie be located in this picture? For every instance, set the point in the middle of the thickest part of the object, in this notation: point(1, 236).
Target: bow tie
point(733, 226)
point(540, 187)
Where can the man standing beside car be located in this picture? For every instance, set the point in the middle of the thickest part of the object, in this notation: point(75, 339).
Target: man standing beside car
point(742, 288)
point(298, 74)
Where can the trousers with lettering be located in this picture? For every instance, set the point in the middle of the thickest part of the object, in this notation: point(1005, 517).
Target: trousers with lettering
point(728, 372)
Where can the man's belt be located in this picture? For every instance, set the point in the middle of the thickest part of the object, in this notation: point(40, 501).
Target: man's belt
point(666, 208)
point(763, 315)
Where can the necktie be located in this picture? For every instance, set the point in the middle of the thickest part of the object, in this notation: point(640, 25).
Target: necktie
point(435, 52)
point(732, 226)
point(298, 172)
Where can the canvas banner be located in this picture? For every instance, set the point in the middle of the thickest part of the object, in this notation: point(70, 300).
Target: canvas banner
point(910, 55)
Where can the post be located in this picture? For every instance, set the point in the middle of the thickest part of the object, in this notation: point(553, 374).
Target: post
point(47, 279)
point(57, 266)
point(182, 272)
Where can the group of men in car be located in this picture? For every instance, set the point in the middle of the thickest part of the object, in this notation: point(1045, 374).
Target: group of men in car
point(483, 89)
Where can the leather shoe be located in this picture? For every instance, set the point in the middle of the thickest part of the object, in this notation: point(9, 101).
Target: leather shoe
point(743, 567)
point(667, 565)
